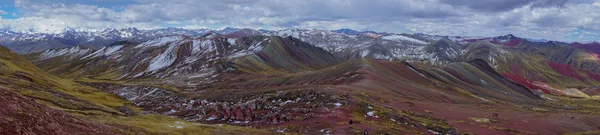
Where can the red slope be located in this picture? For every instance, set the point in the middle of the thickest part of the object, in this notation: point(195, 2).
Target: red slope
point(523, 81)
point(565, 70)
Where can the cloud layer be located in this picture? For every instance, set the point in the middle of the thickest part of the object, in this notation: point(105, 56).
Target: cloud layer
point(575, 20)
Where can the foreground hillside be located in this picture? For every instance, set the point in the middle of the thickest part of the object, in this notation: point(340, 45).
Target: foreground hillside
point(35, 102)
point(501, 85)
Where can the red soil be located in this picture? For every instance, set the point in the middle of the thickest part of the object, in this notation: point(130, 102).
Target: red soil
point(565, 70)
point(512, 43)
point(509, 118)
point(523, 81)
point(592, 75)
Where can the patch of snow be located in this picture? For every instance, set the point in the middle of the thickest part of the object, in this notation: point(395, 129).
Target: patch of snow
point(251, 50)
point(177, 126)
point(68, 52)
point(286, 102)
point(172, 111)
point(104, 51)
point(400, 37)
point(112, 49)
point(296, 33)
point(337, 104)
point(281, 130)
point(434, 132)
point(364, 53)
point(164, 60)
point(231, 41)
point(240, 122)
point(483, 81)
point(159, 41)
point(205, 45)
point(202, 75)
point(370, 113)
point(483, 99)
point(211, 119)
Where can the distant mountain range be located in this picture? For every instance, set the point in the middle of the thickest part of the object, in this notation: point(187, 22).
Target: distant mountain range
point(36, 42)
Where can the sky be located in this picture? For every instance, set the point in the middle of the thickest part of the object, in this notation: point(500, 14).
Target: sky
point(562, 20)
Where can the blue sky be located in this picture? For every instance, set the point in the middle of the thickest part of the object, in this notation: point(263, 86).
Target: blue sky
point(7, 9)
point(564, 20)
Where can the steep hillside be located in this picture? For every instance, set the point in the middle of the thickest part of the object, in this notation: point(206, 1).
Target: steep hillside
point(556, 64)
point(185, 60)
point(492, 53)
point(444, 51)
point(36, 102)
point(21, 115)
point(288, 54)
point(25, 78)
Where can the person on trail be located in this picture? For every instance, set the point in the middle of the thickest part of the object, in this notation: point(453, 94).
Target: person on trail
point(572, 117)
point(350, 123)
point(366, 132)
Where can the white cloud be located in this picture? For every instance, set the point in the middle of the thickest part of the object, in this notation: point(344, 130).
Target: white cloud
point(530, 18)
point(2, 12)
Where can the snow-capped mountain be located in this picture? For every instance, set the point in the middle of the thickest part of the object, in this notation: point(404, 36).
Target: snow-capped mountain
point(345, 44)
point(36, 42)
point(182, 55)
point(352, 46)
point(179, 56)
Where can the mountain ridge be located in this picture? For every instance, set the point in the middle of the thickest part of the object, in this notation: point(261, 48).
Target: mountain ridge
point(35, 42)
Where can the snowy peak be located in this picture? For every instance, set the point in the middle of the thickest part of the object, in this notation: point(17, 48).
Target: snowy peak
point(160, 41)
point(37, 42)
